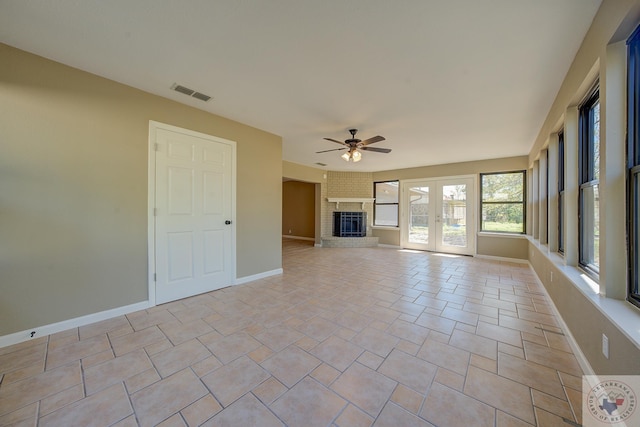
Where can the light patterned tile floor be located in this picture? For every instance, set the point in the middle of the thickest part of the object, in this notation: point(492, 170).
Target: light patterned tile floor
point(345, 337)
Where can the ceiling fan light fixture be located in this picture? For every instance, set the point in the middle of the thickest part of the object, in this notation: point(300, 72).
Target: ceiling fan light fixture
point(353, 144)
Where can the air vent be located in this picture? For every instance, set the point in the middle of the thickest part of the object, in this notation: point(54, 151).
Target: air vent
point(190, 92)
point(201, 96)
point(321, 164)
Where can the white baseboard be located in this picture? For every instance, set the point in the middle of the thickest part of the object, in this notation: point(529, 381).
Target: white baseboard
point(382, 245)
point(53, 328)
point(247, 279)
point(288, 236)
point(318, 245)
point(501, 258)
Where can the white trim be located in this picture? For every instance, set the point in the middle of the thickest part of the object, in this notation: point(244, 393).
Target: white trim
point(289, 236)
point(501, 258)
point(385, 227)
point(383, 245)
point(472, 209)
point(151, 202)
point(577, 351)
point(504, 235)
point(53, 328)
point(338, 200)
point(247, 279)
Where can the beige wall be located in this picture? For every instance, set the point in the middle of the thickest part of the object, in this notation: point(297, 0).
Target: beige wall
point(454, 169)
point(303, 173)
point(298, 209)
point(503, 246)
point(614, 22)
point(311, 175)
point(601, 56)
point(493, 245)
point(586, 322)
point(73, 190)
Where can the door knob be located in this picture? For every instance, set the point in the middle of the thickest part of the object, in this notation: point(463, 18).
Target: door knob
point(227, 222)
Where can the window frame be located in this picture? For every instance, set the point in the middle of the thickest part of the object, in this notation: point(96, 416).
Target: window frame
point(633, 167)
point(523, 202)
point(587, 179)
point(561, 191)
point(546, 197)
point(376, 203)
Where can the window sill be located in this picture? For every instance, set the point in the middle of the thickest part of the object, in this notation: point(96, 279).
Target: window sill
point(624, 315)
point(385, 227)
point(505, 235)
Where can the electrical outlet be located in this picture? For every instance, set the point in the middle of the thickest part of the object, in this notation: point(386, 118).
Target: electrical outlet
point(289, 231)
point(551, 275)
point(605, 346)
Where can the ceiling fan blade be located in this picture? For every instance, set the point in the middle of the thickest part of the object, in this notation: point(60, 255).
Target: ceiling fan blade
point(377, 150)
point(334, 149)
point(372, 140)
point(335, 140)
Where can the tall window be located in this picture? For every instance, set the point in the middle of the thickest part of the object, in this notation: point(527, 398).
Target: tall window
point(546, 197)
point(561, 192)
point(503, 202)
point(385, 211)
point(633, 164)
point(589, 207)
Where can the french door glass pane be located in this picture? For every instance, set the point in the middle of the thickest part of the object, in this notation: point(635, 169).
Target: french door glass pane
point(454, 215)
point(419, 215)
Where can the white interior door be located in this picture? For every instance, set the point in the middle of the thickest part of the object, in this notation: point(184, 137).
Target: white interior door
point(439, 215)
point(193, 213)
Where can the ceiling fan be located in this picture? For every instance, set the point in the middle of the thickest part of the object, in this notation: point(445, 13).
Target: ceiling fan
point(354, 144)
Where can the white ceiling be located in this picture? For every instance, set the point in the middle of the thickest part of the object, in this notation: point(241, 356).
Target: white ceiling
point(443, 80)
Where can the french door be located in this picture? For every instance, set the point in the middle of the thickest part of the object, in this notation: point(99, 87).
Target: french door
point(438, 215)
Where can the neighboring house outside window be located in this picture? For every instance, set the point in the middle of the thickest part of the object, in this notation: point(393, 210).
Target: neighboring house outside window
point(589, 181)
point(386, 204)
point(503, 202)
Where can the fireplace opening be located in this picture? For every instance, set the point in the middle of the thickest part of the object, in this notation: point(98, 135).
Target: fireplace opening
point(350, 224)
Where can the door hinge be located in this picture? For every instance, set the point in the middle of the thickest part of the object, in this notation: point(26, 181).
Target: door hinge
point(154, 277)
point(155, 211)
point(156, 146)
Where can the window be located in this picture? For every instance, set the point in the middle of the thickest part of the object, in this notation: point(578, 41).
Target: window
point(633, 165)
point(385, 212)
point(561, 192)
point(589, 174)
point(546, 198)
point(503, 202)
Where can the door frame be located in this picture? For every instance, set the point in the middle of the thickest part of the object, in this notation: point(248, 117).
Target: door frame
point(403, 214)
point(151, 200)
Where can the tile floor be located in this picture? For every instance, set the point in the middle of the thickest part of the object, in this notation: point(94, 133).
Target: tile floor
point(345, 337)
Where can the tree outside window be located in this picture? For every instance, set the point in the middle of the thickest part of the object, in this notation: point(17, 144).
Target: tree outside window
point(503, 202)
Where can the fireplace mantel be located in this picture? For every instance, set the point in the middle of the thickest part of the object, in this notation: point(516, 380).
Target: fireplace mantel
point(338, 200)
